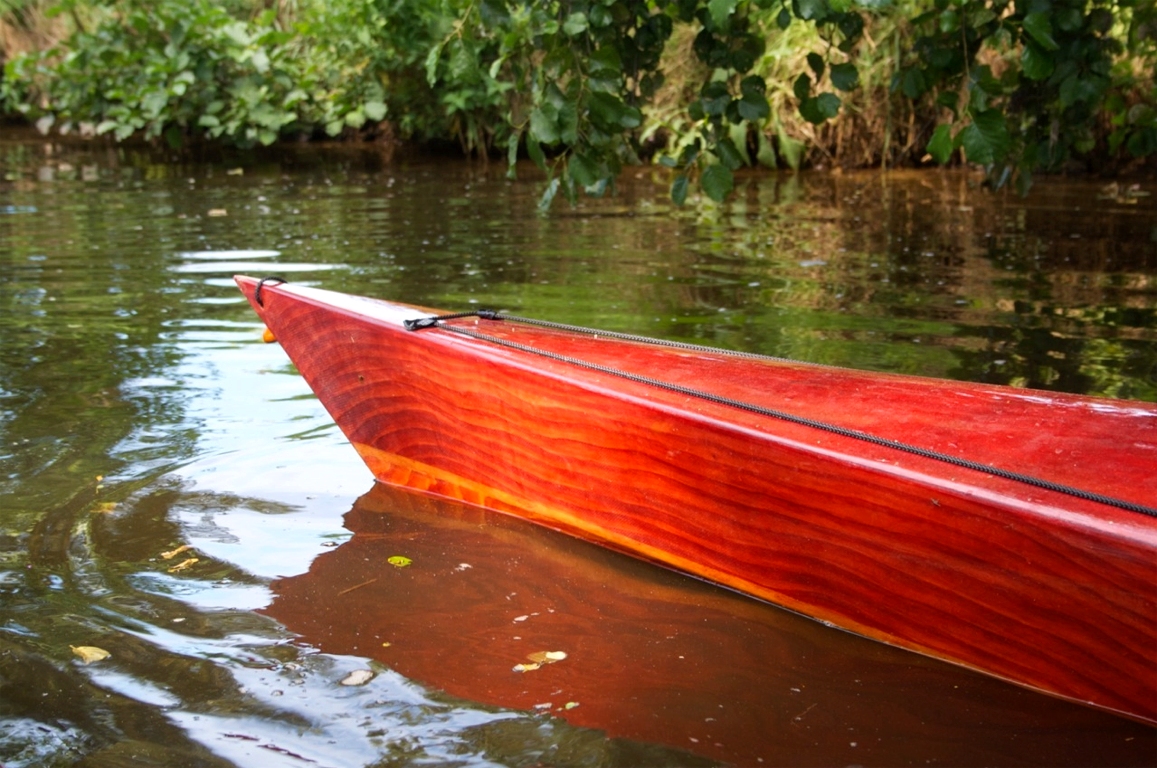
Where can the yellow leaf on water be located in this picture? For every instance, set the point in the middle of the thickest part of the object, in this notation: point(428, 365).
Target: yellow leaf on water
point(184, 564)
point(174, 552)
point(90, 653)
point(399, 561)
point(358, 677)
point(546, 657)
point(105, 507)
point(218, 212)
point(526, 667)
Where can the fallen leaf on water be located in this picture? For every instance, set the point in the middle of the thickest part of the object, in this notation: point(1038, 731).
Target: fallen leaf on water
point(399, 561)
point(90, 653)
point(174, 552)
point(235, 172)
point(546, 657)
point(358, 677)
point(105, 507)
point(183, 564)
point(570, 705)
point(526, 667)
point(218, 212)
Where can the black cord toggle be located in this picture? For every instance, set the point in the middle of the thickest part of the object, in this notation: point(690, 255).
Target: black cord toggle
point(421, 323)
point(260, 283)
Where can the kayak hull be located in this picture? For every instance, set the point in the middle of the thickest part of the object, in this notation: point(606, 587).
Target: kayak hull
point(1027, 584)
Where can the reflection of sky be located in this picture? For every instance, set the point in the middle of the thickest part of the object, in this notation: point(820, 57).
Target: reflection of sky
point(270, 475)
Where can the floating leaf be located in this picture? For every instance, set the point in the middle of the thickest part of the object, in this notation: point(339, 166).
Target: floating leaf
point(546, 657)
point(90, 653)
point(526, 667)
point(399, 561)
point(358, 677)
point(105, 507)
point(215, 212)
point(184, 564)
point(570, 705)
point(174, 552)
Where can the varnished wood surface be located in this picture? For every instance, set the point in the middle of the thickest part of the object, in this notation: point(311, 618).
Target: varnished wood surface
point(657, 657)
point(1045, 590)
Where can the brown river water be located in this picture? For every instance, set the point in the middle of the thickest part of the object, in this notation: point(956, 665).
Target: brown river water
point(172, 494)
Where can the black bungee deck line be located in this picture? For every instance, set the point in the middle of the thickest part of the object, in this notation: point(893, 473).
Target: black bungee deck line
point(437, 321)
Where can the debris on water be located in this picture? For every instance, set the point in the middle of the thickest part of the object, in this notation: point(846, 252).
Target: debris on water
point(90, 653)
point(399, 561)
point(174, 552)
point(188, 563)
point(463, 567)
point(347, 590)
point(105, 507)
point(538, 659)
point(358, 677)
point(215, 212)
point(570, 705)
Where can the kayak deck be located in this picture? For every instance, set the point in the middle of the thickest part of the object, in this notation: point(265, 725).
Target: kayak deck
point(1025, 583)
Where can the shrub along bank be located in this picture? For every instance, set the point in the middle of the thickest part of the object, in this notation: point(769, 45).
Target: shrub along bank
point(584, 86)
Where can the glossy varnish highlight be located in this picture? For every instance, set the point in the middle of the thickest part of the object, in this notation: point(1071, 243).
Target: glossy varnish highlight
point(1041, 588)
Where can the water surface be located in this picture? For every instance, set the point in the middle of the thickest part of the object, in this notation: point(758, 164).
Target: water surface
point(140, 413)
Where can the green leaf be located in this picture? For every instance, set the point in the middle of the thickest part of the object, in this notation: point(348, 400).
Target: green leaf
point(721, 11)
point(575, 24)
point(534, 152)
point(949, 100)
point(1037, 64)
point(717, 182)
point(715, 97)
point(753, 107)
point(820, 108)
point(582, 170)
point(609, 111)
point(1040, 28)
point(375, 110)
point(783, 19)
point(940, 146)
point(753, 84)
point(728, 154)
point(811, 10)
point(845, 76)
point(548, 195)
point(986, 140)
point(679, 189)
point(791, 150)
point(802, 87)
point(544, 124)
point(816, 62)
point(737, 133)
point(765, 155)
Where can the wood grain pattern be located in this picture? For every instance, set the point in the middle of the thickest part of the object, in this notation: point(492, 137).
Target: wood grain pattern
point(1046, 590)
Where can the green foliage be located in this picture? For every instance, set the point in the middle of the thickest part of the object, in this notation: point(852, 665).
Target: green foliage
point(581, 86)
point(1022, 84)
point(163, 68)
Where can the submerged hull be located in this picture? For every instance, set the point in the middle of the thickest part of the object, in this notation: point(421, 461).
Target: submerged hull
point(1023, 582)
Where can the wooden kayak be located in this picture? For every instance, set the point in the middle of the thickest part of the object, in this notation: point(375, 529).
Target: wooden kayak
point(1006, 530)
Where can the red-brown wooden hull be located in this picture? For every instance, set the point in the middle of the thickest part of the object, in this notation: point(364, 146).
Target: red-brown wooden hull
point(1041, 588)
